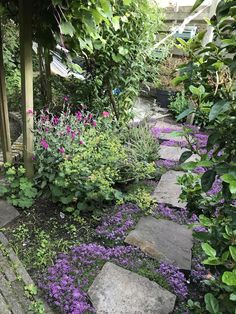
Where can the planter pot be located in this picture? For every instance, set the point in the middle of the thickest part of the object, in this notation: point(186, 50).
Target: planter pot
point(163, 97)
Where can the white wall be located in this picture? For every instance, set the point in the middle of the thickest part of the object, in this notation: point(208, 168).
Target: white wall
point(167, 3)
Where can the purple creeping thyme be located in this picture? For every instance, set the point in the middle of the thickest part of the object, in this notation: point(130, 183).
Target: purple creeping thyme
point(175, 278)
point(66, 282)
point(156, 132)
point(180, 215)
point(168, 164)
point(198, 271)
point(174, 143)
point(115, 227)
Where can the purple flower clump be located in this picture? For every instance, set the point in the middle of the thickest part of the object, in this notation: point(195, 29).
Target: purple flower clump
point(116, 227)
point(180, 215)
point(168, 164)
point(175, 278)
point(198, 271)
point(66, 282)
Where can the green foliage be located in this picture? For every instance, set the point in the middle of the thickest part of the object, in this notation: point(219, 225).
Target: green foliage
point(141, 143)
point(90, 176)
point(213, 67)
point(117, 54)
point(11, 62)
point(142, 198)
point(179, 104)
point(197, 106)
point(18, 190)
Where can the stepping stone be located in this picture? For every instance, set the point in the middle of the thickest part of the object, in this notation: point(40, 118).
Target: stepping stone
point(168, 191)
point(13, 279)
point(174, 153)
point(7, 213)
point(168, 125)
point(164, 240)
point(119, 291)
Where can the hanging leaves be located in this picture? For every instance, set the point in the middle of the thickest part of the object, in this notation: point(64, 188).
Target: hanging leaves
point(67, 28)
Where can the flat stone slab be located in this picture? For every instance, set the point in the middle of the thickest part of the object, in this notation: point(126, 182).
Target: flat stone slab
point(168, 125)
point(119, 291)
point(168, 190)
point(164, 240)
point(174, 153)
point(7, 213)
point(13, 279)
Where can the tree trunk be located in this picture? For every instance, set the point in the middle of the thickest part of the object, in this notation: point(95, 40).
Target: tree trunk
point(27, 82)
point(4, 119)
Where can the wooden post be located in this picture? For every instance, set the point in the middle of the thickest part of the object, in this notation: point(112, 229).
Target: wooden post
point(25, 10)
point(4, 119)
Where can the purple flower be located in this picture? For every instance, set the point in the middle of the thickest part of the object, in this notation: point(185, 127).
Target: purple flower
point(44, 143)
point(168, 164)
point(55, 120)
point(68, 129)
point(115, 227)
point(175, 278)
point(66, 282)
point(62, 150)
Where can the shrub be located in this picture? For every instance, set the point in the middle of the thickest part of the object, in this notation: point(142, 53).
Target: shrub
point(118, 56)
point(57, 137)
point(90, 176)
point(18, 190)
point(141, 143)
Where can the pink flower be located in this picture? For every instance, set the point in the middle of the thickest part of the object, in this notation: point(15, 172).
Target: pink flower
point(55, 120)
point(94, 123)
point(73, 135)
point(105, 114)
point(62, 150)
point(66, 98)
point(78, 115)
point(81, 142)
point(90, 116)
point(30, 111)
point(44, 143)
point(68, 129)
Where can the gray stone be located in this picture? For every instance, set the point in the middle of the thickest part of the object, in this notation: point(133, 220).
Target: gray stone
point(7, 213)
point(3, 306)
point(170, 125)
point(174, 153)
point(164, 240)
point(168, 191)
point(118, 291)
point(9, 295)
point(13, 279)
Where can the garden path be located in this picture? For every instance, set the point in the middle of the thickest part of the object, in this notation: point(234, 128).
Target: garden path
point(116, 290)
point(14, 284)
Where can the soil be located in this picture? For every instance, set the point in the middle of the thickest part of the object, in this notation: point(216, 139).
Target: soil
point(168, 72)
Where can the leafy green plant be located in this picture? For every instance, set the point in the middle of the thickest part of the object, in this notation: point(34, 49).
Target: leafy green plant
point(90, 176)
point(117, 56)
point(212, 68)
point(141, 197)
point(179, 104)
point(18, 190)
point(140, 142)
point(197, 106)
